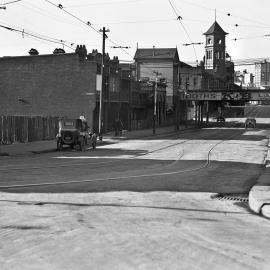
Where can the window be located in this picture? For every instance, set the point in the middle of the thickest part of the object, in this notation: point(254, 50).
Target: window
point(187, 82)
point(219, 41)
point(209, 54)
point(194, 82)
point(209, 41)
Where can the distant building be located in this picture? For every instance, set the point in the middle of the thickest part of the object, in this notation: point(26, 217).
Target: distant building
point(262, 74)
point(191, 78)
point(166, 62)
point(244, 79)
point(248, 80)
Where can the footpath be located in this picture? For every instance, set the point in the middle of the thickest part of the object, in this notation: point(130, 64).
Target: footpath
point(259, 195)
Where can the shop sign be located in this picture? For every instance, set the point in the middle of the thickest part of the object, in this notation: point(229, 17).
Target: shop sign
point(201, 96)
point(236, 96)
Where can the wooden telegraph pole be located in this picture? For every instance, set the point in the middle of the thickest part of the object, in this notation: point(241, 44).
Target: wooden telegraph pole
point(100, 119)
point(155, 101)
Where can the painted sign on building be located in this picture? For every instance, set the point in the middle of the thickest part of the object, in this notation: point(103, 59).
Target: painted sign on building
point(236, 96)
point(201, 96)
point(225, 96)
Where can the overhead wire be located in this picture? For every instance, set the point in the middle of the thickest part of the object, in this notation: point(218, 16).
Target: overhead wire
point(36, 36)
point(143, 21)
point(42, 12)
point(169, 20)
point(11, 2)
point(228, 14)
point(260, 25)
point(91, 25)
point(243, 62)
point(36, 9)
point(103, 3)
point(88, 24)
point(251, 37)
point(179, 18)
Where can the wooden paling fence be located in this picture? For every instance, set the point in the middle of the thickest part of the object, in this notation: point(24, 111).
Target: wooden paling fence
point(27, 128)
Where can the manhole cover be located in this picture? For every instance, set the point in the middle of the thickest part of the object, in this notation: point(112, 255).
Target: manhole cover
point(231, 197)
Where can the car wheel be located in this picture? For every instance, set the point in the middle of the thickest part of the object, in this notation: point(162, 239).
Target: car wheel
point(82, 145)
point(59, 146)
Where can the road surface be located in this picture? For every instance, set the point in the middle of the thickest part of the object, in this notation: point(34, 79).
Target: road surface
point(176, 201)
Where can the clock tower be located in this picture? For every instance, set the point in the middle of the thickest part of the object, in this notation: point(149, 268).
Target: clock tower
point(215, 51)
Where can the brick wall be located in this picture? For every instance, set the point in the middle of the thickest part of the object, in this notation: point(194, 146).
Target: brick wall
point(47, 85)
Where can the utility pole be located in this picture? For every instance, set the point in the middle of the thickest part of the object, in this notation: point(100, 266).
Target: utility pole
point(100, 119)
point(2, 7)
point(266, 75)
point(155, 101)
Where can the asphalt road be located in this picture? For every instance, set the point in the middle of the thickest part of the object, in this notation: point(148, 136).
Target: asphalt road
point(176, 162)
point(150, 203)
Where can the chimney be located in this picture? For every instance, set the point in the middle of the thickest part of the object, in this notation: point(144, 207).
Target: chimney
point(33, 52)
point(81, 51)
point(153, 50)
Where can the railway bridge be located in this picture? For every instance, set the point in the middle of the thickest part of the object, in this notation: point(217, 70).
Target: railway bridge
point(213, 101)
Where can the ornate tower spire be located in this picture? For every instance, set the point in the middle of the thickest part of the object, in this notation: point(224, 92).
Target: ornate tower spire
point(215, 50)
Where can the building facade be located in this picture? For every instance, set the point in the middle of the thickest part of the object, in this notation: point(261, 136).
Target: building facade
point(262, 74)
point(61, 85)
point(161, 62)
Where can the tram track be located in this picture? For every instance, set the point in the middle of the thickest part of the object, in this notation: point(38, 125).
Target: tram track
point(72, 163)
point(68, 164)
point(129, 177)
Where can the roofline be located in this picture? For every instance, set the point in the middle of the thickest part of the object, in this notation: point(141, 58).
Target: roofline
point(39, 55)
point(156, 56)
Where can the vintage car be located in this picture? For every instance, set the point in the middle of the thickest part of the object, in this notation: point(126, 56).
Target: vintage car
point(220, 119)
point(76, 134)
point(250, 122)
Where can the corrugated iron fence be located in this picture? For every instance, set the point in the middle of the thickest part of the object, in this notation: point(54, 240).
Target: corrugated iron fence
point(27, 128)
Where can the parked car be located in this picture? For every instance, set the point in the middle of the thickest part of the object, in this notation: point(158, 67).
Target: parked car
point(75, 133)
point(250, 122)
point(220, 119)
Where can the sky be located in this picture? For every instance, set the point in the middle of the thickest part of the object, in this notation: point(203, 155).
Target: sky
point(134, 23)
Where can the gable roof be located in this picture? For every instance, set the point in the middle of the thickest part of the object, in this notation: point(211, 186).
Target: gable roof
point(215, 29)
point(157, 53)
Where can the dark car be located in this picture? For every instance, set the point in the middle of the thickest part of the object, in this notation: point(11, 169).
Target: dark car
point(220, 119)
point(250, 122)
point(75, 133)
